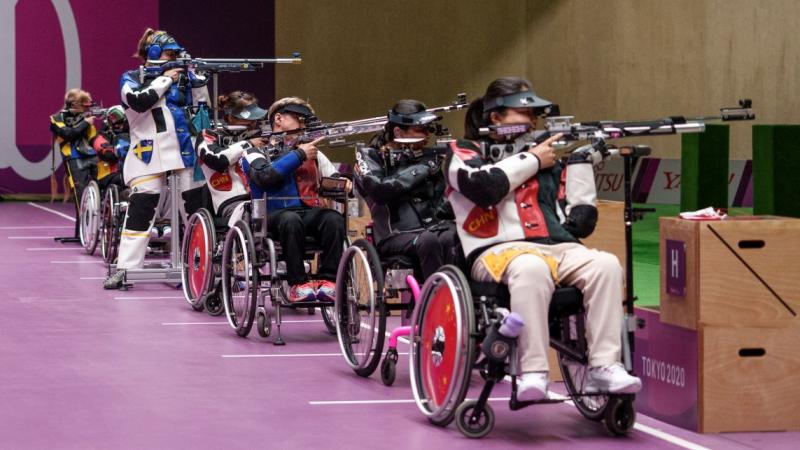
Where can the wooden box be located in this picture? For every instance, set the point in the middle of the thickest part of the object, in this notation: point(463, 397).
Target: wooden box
point(736, 272)
point(609, 234)
point(718, 379)
point(748, 378)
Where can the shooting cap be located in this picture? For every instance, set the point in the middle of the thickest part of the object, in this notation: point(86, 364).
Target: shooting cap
point(116, 113)
point(162, 41)
point(249, 112)
point(416, 119)
point(524, 99)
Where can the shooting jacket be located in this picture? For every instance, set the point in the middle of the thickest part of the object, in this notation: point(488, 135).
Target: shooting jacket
point(159, 122)
point(220, 153)
point(289, 176)
point(403, 195)
point(512, 200)
point(76, 138)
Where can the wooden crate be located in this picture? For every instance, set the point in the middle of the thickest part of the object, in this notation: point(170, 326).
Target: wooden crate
point(609, 234)
point(738, 272)
point(748, 378)
point(718, 378)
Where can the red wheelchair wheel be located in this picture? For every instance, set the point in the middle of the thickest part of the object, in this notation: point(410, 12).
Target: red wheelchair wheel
point(443, 349)
point(197, 258)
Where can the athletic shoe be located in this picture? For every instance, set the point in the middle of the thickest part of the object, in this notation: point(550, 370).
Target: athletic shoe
point(532, 386)
point(115, 281)
point(326, 291)
point(302, 293)
point(613, 379)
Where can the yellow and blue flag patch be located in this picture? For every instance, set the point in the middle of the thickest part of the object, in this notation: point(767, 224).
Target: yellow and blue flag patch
point(144, 150)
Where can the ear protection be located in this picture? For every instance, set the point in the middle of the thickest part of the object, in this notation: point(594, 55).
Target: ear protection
point(160, 43)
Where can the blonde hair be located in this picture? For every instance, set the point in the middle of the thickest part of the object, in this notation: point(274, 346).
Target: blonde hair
point(287, 101)
point(147, 38)
point(75, 95)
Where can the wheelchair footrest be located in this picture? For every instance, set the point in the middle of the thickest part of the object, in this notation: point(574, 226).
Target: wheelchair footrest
point(306, 304)
point(516, 405)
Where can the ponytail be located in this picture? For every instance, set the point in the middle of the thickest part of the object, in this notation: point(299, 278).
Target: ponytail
point(144, 42)
point(474, 120)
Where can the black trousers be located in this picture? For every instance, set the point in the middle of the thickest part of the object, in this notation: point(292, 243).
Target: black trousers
point(291, 226)
point(430, 248)
point(81, 172)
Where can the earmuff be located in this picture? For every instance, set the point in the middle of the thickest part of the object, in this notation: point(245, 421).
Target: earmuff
point(154, 50)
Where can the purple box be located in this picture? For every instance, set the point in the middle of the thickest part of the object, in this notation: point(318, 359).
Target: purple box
point(665, 359)
point(676, 267)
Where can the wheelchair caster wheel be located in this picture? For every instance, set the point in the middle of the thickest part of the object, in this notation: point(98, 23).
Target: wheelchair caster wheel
point(620, 416)
point(214, 305)
point(263, 324)
point(471, 424)
point(388, 371)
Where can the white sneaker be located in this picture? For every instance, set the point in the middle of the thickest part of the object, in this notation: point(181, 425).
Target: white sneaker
point(613, 379)
point(532, 386)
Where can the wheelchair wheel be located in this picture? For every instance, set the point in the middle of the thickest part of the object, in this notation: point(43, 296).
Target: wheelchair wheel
point(90, 217)
point(113, 224)
point(360, 308)
point(213, 304)
point(474, 427)
point(239, 278)
point(263, 324)
point(329, 319)
point(107, 220)
point(443, 345)
point(620, 415)
point(197, 252)
point(575, 376)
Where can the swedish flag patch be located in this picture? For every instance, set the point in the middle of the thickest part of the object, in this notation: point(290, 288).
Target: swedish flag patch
point(144, 150)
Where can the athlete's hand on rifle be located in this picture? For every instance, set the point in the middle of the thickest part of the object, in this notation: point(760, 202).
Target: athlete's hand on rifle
point(544, 151)
point(174, 73)
point(310, 148)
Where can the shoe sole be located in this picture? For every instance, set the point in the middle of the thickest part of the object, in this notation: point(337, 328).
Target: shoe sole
point(308, 298)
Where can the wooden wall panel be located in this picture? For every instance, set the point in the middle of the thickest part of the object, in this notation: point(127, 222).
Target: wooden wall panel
point(615, 59)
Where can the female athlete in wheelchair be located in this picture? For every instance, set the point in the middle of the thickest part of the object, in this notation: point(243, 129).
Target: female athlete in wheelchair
point(412, 230)
point(289, 225)
point(219, 151)
point(520, 214)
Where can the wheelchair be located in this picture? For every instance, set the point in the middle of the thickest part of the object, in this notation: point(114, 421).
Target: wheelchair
point(112, 216)
point(201, 260)
point(363, 283)
point(450, 329)
point(254, 286)
point(89, 217)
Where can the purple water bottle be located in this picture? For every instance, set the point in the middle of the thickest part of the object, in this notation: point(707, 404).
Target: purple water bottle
point(511, 325)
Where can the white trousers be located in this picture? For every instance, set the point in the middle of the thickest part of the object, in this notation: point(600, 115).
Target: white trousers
point(133, 243)
point(597, 274)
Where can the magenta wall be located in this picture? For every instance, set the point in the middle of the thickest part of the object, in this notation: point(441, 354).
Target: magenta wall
point(35, 68)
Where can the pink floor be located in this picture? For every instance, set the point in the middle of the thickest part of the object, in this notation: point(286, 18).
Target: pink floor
point(84, 368)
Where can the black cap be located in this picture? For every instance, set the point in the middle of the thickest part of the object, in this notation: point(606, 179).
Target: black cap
point(524, 99)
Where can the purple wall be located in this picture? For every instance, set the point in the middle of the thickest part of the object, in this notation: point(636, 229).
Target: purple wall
point(107, 34)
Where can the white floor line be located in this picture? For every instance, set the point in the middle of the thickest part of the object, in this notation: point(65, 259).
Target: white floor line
point(93, 278)
point(50, 249)
point(35, 227)
point(32, 237)
point(79, 261)
point(58, 213)
point(381, 402)
point(148, 298)
point(664, 436)
point(291, 355)
point(226, 323)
